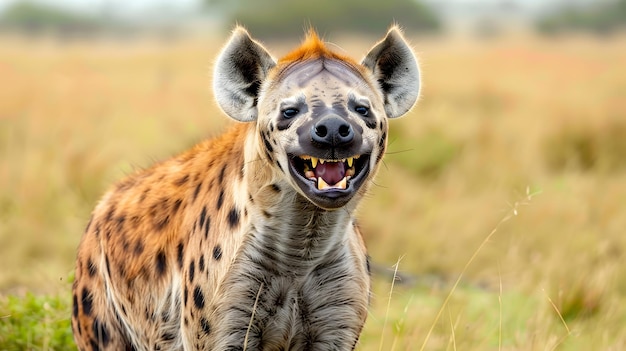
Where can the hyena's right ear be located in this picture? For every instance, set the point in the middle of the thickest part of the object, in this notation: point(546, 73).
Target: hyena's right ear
point(240, 68)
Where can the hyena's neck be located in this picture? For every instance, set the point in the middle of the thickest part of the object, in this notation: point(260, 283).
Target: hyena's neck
point(287, 227)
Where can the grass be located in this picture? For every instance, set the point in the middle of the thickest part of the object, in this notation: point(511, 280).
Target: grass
point(497, 119)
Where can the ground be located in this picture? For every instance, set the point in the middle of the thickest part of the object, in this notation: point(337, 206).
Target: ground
point(498, 120)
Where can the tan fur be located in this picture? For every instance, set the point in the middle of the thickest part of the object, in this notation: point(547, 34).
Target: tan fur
point(220, 245)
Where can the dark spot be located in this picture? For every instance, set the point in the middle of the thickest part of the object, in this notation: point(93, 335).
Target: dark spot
point(87, 301)
point(143, 195)
point(125, 243)
point(121, 268)
point(201, 263)
point(167, 336)
point(135, 221)
point(196, 191)
point(192, 271)
point(221, 176)
point(89, 224)
point(165, 316)
point(280, 300)
point(233, 217)
point(110, 213)
point(78, 327)
point(91, 267)
point(268, 146)
point(370, 122)
point(149, 314)
point(381, 142)
point(380, 125)
point(161, 264)
point(207, 225)
point(138, 250)
point(367, 264)
point(220, 199)
point(181, 181)
point(268, 155)
point(179, 256)
point(101, 333)
point(267, 214)
point(205, 326)
point(202, 217)
point(106, 261)
point(271, 127)
point(120, 222)
point(217, 252)
point(160, 223)
point(279, 166)
point(176, 205)
point(74, 305)
point(186, 297)
point(94, 345)
point(276, 188)
point(198, 297)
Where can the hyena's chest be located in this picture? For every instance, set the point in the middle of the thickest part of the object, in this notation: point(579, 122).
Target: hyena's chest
point(271, 300)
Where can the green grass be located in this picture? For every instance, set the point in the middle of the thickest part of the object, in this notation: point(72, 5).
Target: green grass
point(33, 322)
point(495, 119)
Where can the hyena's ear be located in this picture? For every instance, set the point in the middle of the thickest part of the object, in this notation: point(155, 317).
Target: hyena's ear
point(395, 67)
point(240, 69)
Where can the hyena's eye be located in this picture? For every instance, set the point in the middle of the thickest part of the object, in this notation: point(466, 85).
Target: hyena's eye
point(290, 113)
point(362, 110)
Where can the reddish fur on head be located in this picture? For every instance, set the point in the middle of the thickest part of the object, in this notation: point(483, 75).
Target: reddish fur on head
point(311, 48)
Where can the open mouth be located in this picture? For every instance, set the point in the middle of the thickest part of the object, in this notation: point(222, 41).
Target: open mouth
point(329, 174)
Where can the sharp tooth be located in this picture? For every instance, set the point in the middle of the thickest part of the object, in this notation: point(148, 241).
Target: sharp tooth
point(342, 183)
point(314, 161)
point(322, 161)
point(350, 161)
point(321, 184)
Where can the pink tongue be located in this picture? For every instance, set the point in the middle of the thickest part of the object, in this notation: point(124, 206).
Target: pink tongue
point(331, 172)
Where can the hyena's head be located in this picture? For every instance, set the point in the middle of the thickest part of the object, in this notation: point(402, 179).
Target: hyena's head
point(321, 117)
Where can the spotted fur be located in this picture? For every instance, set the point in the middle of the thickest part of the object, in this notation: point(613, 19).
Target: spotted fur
point(246, 241)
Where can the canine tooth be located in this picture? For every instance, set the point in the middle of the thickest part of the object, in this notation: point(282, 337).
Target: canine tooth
point(342, 183)
point(321, 184)
point(322, 161)
point(350, 161)
point(314, 161)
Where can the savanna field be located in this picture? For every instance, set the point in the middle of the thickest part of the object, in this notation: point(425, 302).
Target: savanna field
point(502, 201)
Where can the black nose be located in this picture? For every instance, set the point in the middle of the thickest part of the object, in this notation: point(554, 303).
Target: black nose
point(332, 131)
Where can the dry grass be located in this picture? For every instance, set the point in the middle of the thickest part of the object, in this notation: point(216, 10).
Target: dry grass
point(495, 119)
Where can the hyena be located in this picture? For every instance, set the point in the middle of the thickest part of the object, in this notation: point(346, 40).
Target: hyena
point(248, 241)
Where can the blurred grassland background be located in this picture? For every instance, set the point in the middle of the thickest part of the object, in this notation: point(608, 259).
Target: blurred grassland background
point(518, 138)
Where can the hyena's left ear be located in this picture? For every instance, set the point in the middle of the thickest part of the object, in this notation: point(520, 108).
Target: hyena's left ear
point(240, 69)
point(395, 67)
